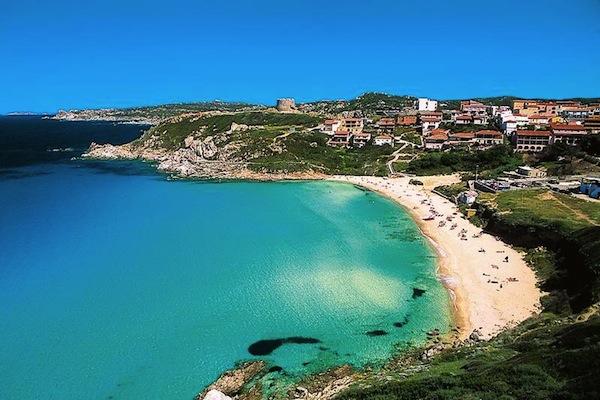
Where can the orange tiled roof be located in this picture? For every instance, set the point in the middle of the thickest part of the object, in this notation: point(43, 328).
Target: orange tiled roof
point(533, 133)
point(463, 135)
point(567, 127)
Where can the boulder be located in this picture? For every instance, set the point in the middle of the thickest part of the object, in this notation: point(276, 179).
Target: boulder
point(232, 382)
point(216, 395)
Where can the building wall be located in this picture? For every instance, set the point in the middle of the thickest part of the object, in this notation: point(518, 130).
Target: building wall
point(424, 104)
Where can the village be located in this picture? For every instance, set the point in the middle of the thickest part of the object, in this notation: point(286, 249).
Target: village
point(529, 125)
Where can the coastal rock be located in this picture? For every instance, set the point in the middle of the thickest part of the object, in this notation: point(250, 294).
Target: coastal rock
point(108, 152)
point(209, 148)
point(475, 336)
point(231, 382)
point(216, 395)
point(205, 149)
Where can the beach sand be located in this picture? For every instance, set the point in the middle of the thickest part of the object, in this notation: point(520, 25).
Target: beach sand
point(483, 297)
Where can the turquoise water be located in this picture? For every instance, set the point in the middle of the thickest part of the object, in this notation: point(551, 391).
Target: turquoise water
point(116, 283)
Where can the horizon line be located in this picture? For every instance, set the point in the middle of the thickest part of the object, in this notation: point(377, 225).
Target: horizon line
point(147, 105)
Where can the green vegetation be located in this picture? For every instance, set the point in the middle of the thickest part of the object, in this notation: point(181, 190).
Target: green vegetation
point(300, 155)
point(467, 128)
point(451, 191)
point(368, 103)
point(274, 142)
point(380, 101)
point(561, 159)
point(491, 101)
point(409, 134)
point(173, 132)
point(544, 358)
point(547, 209)
point(491, 162)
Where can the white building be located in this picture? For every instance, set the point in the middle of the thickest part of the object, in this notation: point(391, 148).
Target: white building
point(425, 104)
point(383, 140)
point(331, 126)
point(509, 126)
point(510, 123)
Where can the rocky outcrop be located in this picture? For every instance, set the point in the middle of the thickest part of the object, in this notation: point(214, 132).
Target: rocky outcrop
point(203, 148)
point(216, 395)
point(231, 382)
point(109, 152)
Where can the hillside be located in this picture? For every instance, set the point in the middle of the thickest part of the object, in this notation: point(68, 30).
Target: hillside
point(151, 114)
point(368, 103)
point(246, 145)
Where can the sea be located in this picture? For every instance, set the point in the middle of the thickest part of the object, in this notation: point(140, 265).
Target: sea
point(117, 282)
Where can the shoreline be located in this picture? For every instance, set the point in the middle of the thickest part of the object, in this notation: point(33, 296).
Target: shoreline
point(488, 294)
point(484, 300)
point(458, 304)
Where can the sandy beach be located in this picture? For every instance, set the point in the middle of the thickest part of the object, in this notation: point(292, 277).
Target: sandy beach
point(490, 292)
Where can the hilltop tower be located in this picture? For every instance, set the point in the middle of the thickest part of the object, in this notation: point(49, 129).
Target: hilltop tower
point(286, 105)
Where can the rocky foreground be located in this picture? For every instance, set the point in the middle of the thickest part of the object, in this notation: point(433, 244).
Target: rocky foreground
point(245, 382)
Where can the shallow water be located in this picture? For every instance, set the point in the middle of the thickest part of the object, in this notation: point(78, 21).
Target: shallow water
point(116, 283)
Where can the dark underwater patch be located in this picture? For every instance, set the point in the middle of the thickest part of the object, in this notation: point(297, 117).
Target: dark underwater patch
point(9, 174)
point(400, 324)
point(275, 368)
point(267, 346)
point(377, 332)
point(418, 292)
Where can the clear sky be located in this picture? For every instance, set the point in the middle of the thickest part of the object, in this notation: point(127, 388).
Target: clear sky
point(80, 54)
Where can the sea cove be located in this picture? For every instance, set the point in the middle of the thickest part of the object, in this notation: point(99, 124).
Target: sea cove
point(117, 283)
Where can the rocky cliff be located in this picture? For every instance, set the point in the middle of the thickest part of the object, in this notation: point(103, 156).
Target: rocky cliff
point(211, 145)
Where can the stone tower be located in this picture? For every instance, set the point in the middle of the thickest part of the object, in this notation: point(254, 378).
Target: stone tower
point(284, 105)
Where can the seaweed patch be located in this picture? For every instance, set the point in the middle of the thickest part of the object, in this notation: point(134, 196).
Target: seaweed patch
point(418, 292)
point(267, 346)
point(377, 332)
point(400, 324)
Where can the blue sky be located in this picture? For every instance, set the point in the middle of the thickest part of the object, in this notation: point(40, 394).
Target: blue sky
point(67, 54)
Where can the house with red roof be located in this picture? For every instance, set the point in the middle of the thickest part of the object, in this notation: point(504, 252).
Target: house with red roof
point(473, 108)
point(567, 133)
point(386, 125)
point(353, 125)
point(437, 140)
point(532, 141)
point(406, 120)
point(540, 120)
point(463, 119)
point(430, 122)
point(340, 139)
point(488, 137)
point(361, 139)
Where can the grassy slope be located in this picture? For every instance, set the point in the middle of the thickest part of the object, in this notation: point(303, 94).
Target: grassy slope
point(544, 358)
point(491, 162)
point(540, 206)
point(302, 150)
